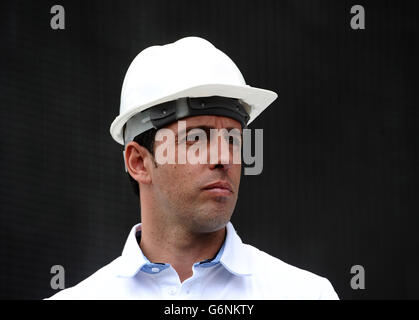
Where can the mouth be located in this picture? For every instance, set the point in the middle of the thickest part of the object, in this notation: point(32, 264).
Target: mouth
point(220, 188)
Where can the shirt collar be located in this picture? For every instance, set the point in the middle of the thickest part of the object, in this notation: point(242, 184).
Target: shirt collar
point(232, 255)
point(236, 255)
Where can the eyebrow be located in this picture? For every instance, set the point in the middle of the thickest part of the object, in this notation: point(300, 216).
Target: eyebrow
point(205, 128)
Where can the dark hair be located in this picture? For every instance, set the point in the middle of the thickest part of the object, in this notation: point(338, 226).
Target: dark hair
point(146, 140)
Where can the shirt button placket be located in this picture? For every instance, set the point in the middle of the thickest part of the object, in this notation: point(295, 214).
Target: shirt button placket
point(172, 291)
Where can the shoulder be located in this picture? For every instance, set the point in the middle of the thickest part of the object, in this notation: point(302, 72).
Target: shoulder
point(283, 280)
point(96, 286)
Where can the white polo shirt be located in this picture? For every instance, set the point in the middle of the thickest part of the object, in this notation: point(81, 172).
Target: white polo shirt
point(239, 271)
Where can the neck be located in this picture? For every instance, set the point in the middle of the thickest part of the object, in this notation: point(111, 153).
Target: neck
point(178, 247)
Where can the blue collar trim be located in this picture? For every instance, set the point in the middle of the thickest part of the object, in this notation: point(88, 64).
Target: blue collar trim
point(153, 268)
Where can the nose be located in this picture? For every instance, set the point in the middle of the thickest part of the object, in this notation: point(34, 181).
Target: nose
point(220, 153)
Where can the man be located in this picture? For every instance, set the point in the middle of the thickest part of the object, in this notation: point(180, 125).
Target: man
point(185, 246)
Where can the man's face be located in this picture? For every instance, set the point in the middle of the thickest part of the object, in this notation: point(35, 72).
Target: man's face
point(200, 196)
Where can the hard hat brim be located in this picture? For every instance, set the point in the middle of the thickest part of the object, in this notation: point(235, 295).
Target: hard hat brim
point(258, 100)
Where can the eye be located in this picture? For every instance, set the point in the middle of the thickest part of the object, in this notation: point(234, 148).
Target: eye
point(196, 135)
point(192, 139)
point(234, 140)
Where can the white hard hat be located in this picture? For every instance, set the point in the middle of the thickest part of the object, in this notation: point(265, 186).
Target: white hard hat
point(190, 67)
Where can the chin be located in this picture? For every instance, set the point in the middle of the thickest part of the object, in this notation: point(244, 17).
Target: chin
point(211, 220)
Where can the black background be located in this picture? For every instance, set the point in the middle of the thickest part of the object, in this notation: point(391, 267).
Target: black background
point(339, 184)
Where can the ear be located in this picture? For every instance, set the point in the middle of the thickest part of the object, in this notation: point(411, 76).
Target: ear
point(138, 162)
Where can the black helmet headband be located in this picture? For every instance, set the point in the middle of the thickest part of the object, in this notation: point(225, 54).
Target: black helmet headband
point(165, 113)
